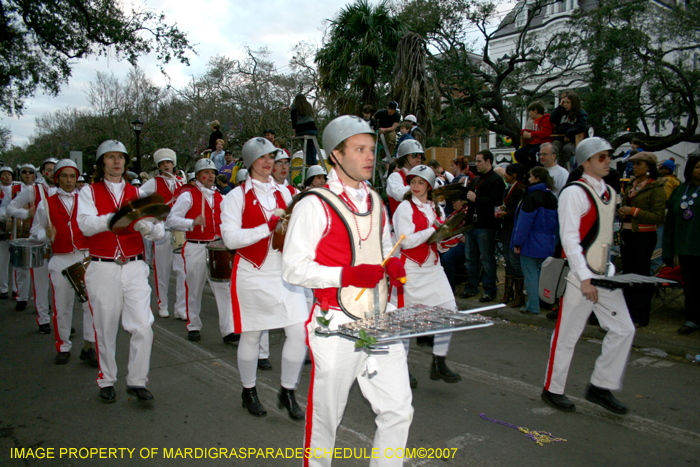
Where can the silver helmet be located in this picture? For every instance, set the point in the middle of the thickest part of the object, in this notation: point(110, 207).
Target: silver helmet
point(64, 164)
point(6, 168)
point(315, 170)
point(255, 148)
point(203, 164)
point(424, 172)
point(410, 118)
point(589, 147)
point(410, 146)
point(341, 128)
point(111, 145)
point(241, 175)
point(164, 154)
point(281, 155)
point(50, 160)
point(191, 176)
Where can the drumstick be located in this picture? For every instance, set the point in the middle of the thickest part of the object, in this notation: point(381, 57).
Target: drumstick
point(201, 227)
point(46, 206)
point(402, 279)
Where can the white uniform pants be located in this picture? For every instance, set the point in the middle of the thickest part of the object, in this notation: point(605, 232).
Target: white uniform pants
point(40, 284)
point(180, 293)
point(163, 265)
point(63, 301)
point(336, 365)
point(121, 291)
point(293, 354)
point(4, 266)
point(264, 350)
point(611, 311)
point(197, 274)
point(23, 279)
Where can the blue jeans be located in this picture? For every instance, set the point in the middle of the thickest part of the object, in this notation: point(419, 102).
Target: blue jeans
point(480, 252)
point(531, 270)
point(511, 257)
point(452, 260)
point(310, 148)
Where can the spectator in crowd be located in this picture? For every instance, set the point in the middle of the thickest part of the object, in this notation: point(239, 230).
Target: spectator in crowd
point(367, 116)
point(681, 234)
point(229, 168)
point(388, 120)
point(442, 177)
point(667, 170)
point(532, 139)
point(215, 135)
point(452, 251)
point(642, 210)
point(548, 159)
point(515, 178)
point(269, 135)
point(303, 125)
point(460, 168)
point(217, 156)
point(635, 147)
point(416, 131)
point(569, 120)
point(405, 130)
point(484, 195)
point(535, 233)
point(222, 185)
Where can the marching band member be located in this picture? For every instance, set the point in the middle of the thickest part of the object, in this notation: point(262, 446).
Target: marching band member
point(117, 278)
point(426, 282)
point(336, 241)
point(23, 206)
point(69, 247)
point(586, 216)
point(260, 299)
point(406, 159)
point(315, 177)
point(22, 276)
point(280, 171)
point(197, 212)
point(6, 175)
point(166, 183)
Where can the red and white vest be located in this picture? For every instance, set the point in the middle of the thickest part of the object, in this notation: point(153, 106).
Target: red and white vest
point(107, 244)
point(162, 188)
point(254, 216)
point(393, 204)
point(68, 235)
point(420, 253)
point(212, 227)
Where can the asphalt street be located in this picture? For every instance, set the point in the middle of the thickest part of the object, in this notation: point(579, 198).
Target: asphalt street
point(52, 410)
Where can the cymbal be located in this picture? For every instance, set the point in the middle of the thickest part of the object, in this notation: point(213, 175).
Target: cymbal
point(453, 227)
point(449, 193)
point(125, 223)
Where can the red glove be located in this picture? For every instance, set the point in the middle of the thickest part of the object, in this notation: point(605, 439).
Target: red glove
point(272, 223)
point(395, 271)
point(364, 275)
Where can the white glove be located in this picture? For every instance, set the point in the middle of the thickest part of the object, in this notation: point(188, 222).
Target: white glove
point(143, 227)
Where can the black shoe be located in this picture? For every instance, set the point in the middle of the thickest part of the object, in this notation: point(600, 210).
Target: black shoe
point(72, 331)
point(439, 370)
point(412, 380)
point(287, 400)
point(466, 294)
point(307, 361)
point(593, 320)
point(264, 364)
point(194, 336)
point(486, 298)
point(553, 315)
point(21, 306)
point(89, 356)
point(425, 341)
point(252, 403)
point(232, 338)
point(44, 328)
point(4, 296)
point(685, 330)
point(558, 401)
point(142, 394)
point(108, 395)
point(605, 399)
point(62, 358)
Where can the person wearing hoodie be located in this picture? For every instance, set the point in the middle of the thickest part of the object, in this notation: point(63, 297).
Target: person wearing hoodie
point(531, 139)
point(535, 233)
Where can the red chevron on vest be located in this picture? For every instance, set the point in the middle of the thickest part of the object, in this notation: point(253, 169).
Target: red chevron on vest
point(108, 244)
point(68, 234)
point(212, 229)
point(420, 253)
point(254, 216)
point(163, 189)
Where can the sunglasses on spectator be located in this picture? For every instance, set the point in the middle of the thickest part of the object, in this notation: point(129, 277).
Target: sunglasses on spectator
point(27, 172)
point(282, 163)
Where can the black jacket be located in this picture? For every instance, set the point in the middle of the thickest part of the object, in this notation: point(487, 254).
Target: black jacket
point(489, 194)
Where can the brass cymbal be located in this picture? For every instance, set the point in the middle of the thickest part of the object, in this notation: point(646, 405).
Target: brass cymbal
point(449, 193)
point(453, 227)
point(124, 223)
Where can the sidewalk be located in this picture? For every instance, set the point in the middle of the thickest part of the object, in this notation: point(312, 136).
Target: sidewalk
point(661, 333)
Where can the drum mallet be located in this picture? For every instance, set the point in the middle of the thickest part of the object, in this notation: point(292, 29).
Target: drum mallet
point(401, 279)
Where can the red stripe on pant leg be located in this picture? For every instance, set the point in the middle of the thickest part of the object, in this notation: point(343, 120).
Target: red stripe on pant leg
point(155, 271)
point(399, 290)
point(310, 399)
point(97, 345)
point(187, 289)
point(552, 351)
point(235, 306)
point(31, 271)
point(57, 335)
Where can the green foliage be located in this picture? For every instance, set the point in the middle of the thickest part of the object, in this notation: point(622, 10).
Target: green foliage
point(357, 60)
point(41, 40)
point(365, 340)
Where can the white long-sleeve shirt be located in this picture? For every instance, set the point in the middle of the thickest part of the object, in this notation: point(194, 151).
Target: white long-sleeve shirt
point(234, 235)
point(395, 186)
point(6, 200)
point(150, 187)
point(176, 219)
point(403, 223)
point(305, 230)
point(26, 197)
point(573, 204)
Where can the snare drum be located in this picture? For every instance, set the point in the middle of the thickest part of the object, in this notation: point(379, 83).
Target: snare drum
point(219, 261)
point(25, 253)
point(75, 275)
point(177, 240)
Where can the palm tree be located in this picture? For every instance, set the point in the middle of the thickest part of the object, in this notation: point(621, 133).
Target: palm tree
point(356, 63)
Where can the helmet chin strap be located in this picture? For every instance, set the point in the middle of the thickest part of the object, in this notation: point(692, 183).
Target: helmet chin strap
point(345, 171)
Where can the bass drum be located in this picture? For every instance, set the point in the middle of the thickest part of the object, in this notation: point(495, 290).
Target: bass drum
point(177, 240)
point(26, 253)
point(219, 261)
